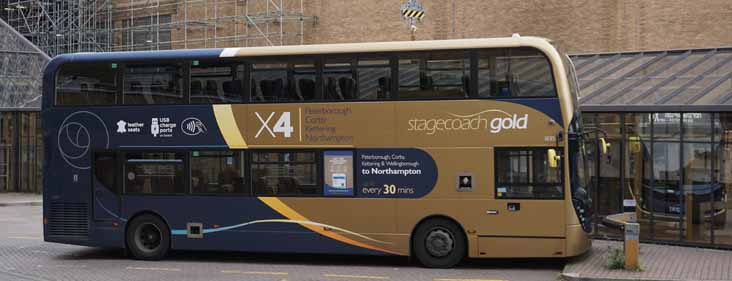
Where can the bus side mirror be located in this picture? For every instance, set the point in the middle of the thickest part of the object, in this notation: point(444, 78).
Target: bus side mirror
point(553, 158)
point(604, 146)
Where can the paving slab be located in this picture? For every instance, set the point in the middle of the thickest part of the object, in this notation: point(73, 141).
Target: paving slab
point(20, 199)
point(658, 262)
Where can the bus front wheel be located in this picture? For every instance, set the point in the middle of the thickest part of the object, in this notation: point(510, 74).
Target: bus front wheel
point(148, 238)
point(439, 243)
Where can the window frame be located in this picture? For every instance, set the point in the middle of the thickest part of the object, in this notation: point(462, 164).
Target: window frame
point(561, 167)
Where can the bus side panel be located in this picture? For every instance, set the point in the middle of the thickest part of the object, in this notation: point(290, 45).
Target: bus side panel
point(516, 247)
point(366, 220)
point(235, 224)
point(470, 208)
point(67, 174)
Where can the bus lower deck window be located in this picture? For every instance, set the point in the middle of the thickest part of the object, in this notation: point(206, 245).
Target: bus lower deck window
point(285, 174)
point(218, 172)
point(154, 173)
point(526, 174)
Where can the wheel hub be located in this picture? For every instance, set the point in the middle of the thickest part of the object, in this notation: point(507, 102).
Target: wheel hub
point(439, 243)
point(148, 237)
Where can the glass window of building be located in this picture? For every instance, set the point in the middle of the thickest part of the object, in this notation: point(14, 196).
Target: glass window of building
point(146, 33)
point(215, 82)
point(723, 205)
point(516, 72)
point(153, 84)
point(86, 84)
point(285, 174)
point(426, 75)
point(527, 174)
point(217, 172)
point(154, 173)
point(29, 168)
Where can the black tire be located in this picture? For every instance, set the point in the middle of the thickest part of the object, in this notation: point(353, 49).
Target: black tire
point(148, 238)
point(439, 243)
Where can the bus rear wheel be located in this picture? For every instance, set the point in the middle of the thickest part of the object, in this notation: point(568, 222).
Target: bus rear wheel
point(439, 243)
point(148, 238)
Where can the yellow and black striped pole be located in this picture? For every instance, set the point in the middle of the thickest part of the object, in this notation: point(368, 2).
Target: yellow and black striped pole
point(412, 12)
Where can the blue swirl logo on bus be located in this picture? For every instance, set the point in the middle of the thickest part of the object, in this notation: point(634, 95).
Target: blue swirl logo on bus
point(192, 126)
point(79, 133)
point(470, 122)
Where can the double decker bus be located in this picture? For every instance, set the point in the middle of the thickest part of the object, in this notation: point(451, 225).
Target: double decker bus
point(437, 150)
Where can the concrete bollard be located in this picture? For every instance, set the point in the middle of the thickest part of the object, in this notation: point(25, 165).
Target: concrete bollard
point(632, 233)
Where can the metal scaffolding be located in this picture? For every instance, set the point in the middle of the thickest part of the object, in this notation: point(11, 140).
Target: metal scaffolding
point(66, 26)
point(21, 68)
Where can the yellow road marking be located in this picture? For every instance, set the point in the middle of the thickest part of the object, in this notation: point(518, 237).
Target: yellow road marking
point(462, 279)
point(356, 276)
point(25, 237)
point(153, 268)
point(254, 272)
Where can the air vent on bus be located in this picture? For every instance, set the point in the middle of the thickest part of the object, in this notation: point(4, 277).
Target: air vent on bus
point(68, 220)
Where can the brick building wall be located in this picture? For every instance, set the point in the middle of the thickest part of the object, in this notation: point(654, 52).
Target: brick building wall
point(577, 25)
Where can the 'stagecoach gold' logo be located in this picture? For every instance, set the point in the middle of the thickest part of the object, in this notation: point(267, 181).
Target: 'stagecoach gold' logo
point(471, 122)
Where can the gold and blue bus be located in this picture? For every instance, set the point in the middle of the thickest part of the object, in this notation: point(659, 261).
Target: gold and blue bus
point(437, 150)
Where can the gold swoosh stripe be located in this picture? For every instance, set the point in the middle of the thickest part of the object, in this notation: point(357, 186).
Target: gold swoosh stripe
point(291, 214)
point(228, 127)
point(479, 113)
point(302, 222)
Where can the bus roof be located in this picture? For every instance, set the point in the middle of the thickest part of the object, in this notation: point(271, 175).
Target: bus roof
point(394, 46)
point(370, 47)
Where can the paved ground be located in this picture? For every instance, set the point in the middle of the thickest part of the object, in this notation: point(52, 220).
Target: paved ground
point(659, 262)
point(15, 199)
point(24, 256)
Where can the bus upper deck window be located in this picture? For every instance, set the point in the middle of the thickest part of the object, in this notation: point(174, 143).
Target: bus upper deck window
point(373, 79)
point(86, 84)
point(516, 72)
point(153, 84)
point(428, 75)
point(217, 83)
point(285, 80)
point(339, 79)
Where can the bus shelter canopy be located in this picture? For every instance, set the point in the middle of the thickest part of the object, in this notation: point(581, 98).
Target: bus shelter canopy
point(672, 80)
